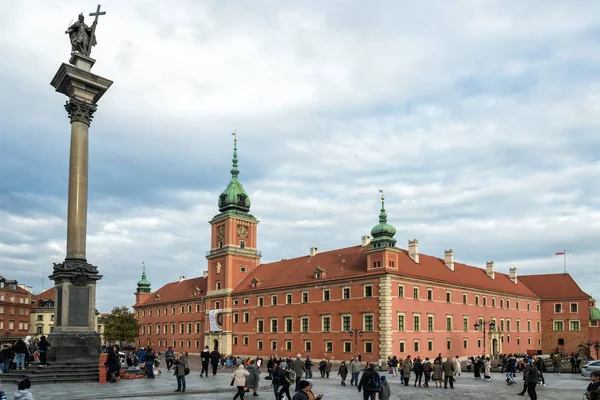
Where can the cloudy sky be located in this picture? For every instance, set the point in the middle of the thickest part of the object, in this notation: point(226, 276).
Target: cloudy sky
point(478, 119)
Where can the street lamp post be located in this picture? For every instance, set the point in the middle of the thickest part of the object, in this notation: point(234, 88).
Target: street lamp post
point(355, 333)
point(483, 324)
point(595, 345)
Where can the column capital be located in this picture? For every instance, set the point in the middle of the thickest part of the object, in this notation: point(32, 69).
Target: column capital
point(80, 111)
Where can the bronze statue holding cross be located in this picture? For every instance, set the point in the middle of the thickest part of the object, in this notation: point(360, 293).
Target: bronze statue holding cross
point(82, 36)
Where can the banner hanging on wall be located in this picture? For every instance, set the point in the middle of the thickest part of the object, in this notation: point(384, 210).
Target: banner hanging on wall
point(215, 318)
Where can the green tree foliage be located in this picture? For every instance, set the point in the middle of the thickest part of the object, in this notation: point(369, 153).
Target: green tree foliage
point(121, 326)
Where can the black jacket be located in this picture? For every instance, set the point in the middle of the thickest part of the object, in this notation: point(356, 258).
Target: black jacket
point(113, 362)
point(366, 376)
point(215, 357)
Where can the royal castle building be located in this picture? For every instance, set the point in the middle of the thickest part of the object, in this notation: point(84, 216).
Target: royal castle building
point(372, 298)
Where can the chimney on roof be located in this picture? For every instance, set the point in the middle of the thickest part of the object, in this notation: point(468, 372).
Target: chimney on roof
point(449, 259)
point(513, 275)
point(181, 278)
point(489, 269)
point(366, 239)
point(313, 251)
point(205, 274)
point(413, 250)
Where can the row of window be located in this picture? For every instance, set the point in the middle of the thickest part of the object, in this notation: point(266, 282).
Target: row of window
point(574, 325)
point(558, 308)
point(40, 317)
point(165, 310)
point(465, 298)
point(288, 323)
point(23, 326)
point(22, 300)
point(147, 329)
point(11, 310)
point(304, 296)
point(466, 327)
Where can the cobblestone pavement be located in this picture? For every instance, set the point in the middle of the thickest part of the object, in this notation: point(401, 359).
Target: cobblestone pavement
point(559, 387)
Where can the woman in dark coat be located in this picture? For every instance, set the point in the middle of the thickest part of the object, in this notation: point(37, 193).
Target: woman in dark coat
point(114, 364)
point(43, 346)
point(253, 378)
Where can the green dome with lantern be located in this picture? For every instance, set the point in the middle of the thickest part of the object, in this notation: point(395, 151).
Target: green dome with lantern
point(234, 197)
point(383, 233)
point(143, 285)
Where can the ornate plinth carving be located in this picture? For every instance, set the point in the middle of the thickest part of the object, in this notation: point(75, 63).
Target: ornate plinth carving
point(80, 111)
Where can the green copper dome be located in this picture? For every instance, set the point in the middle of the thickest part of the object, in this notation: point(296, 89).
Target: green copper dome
point(144, 284)
point(383, 233)
point(234, 197)
point(594, 314)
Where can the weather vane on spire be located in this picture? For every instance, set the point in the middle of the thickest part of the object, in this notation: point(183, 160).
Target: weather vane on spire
point(234, 134)
point(382, 195)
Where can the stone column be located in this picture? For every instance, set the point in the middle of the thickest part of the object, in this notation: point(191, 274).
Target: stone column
point(75, 337)
point(80, 114)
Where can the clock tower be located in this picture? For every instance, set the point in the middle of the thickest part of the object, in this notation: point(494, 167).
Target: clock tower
point(232, 256)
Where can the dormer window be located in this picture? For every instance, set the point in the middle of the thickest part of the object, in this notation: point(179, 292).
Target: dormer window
point(319, 273)
point(241, 199)
point(223, 199)
point(256, 282)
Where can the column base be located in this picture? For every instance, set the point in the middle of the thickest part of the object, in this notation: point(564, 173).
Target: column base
point(74, 347)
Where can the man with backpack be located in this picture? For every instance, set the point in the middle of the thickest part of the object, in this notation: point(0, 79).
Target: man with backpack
point(370, 382)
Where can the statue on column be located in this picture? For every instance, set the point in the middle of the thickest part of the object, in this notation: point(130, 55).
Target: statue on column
point(83, 37)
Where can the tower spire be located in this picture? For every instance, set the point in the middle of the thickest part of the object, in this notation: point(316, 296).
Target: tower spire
point(382, 214)
point(234, 197)
point(383, 233)
point(234, 170)
point(143, 285)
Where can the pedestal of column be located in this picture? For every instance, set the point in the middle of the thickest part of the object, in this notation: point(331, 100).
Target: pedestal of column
point(74, 336)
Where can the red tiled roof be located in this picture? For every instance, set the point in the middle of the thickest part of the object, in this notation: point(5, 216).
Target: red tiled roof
point(554, 286)
point(352, 262)
point(46, 295)
point(176, 291)
point(434, 269)
point(336, 264)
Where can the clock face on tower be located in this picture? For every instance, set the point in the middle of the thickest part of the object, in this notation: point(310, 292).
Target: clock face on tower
point(221, 232)
point(242, 231)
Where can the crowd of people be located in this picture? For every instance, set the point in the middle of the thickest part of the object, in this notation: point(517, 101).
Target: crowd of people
point(292, 379)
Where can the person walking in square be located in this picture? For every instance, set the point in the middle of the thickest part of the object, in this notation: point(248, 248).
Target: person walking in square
point(6, 356)
point(285, 381)
point(427, 370)
point(169, 358)
point(150, 357)
point(343, 372)
point(355, 368)
point(179, 366)
point(448, 367)
point(309, 364)
point(406, 367)
point(457, 367)
point(113, 363)
point(43, 347)
point(418, 369)
point(487, 369)
point(370, 383)
point(299, 368)
point(437, 373)
point(532, 379)
point(384, 392)
point(20, 350)
point(239, 381)
point(215, 359)
point(254, 377)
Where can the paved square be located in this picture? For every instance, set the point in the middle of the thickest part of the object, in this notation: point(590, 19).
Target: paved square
point(559, 387)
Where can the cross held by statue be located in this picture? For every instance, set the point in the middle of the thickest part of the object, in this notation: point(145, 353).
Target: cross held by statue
point(97, 13)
